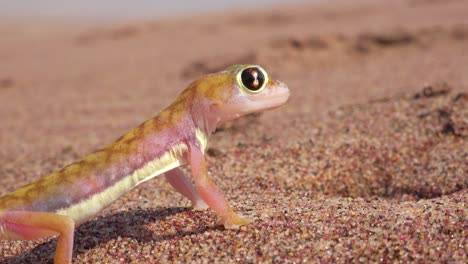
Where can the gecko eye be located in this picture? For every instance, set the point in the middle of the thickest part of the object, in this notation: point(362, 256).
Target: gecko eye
point(252, 79)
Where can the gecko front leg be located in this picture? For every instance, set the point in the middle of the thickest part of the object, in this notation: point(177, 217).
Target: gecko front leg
point(209, 192)
point(184, 186)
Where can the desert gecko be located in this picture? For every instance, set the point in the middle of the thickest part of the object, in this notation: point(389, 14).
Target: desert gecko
point(177, 136)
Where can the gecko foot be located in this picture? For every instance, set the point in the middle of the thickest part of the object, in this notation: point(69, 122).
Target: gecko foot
point(199, 205)
point(233, 221)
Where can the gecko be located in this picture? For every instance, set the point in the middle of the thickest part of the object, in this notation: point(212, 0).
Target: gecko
point(177, 136)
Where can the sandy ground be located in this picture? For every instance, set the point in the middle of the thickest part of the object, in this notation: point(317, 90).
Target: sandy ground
point(366, 163)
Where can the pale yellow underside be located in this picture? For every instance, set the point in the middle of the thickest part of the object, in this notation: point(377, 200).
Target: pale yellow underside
point(201, 137)
point(90, 207)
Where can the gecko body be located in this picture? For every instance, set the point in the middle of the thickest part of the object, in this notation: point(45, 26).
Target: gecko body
point(177, 136)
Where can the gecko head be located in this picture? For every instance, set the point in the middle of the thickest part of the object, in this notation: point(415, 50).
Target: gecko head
point(243, 89)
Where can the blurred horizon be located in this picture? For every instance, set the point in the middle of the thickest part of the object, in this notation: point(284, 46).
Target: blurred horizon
point(124, 9)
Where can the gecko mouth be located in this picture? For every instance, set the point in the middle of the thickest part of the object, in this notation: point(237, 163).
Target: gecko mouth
point(272, 99)
point(267, 99)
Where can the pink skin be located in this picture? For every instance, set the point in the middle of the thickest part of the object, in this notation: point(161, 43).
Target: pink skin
point(243, 103)
point(34, 225)
point(183, 185)
point(209, 192)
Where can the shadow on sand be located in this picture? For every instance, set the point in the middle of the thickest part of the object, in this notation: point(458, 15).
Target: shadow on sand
point(129, 224)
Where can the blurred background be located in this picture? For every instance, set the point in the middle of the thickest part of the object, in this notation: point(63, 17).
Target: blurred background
point(378, 111)
point(123, 9)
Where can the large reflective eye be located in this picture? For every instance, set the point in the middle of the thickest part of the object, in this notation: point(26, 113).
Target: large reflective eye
point(253, 79)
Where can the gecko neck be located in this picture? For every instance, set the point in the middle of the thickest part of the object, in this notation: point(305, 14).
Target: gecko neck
point(204, 117)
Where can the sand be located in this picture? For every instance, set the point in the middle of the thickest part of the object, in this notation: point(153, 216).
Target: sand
point(366, 163)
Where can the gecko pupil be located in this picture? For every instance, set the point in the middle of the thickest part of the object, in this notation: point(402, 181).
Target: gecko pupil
point(252, 79)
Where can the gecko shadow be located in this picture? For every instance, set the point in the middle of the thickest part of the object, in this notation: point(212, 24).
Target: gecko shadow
point(129, 224)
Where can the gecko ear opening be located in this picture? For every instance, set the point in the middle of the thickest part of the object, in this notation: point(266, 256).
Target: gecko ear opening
point(216, 104)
